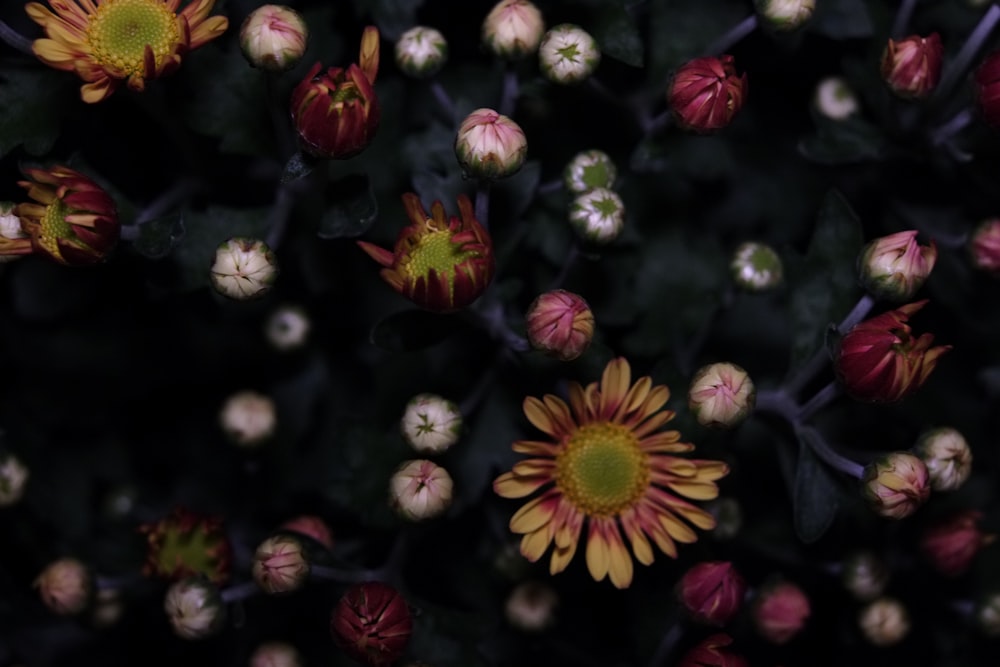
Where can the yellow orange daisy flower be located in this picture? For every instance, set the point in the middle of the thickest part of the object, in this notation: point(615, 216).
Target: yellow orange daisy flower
point(109, 41)
point(612, 467)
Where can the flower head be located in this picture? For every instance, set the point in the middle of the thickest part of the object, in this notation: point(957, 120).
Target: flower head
point(72, 221)
point(276, 654)
point(880, 361)
point(911, 67)
point(421, 51)
point(894, 267)
point(273, 38)
point(610, 467)
point(531, 606)
point(244, 268)
point(438, 263)
point(784, 15)
point(372, 623)
point(287, 328)
point(984, 246)
point(336, 112)
point(420, 490)
point(835, 99)
point(109, 41)
point(311, 527)
point(13, 479)
point(896, 485)
point(884, 622)
point(864, 575)
point(280, 565)
point(706, 93)
point(568, 54)
point(248, 418)
point(712, 652)
point(756, 267)
point(490, 145)
point(947, 457)
point(987, 89)
point(597, 216)
point(195, 608)
point(780, 611)
point(588, 170)
point(561, 324)
point(513, 29)
point(951, 544)
point(431, 424)
point(187, 544)
point(65, 586)
point(712, 592)
point(722, 395)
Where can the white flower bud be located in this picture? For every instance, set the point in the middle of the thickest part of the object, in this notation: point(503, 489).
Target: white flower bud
point(421, 51)
point(835, 99)
point(947, 457)
point(420, 490)
point(65, 586)
point(13, 479)
point(721, 395)
point(288, 328)
point(431, 424)
point(756, 267)
point(244, 269)
point(275, 654)
point(490, 145)
point(513, 29)
point(785, 15)
point(598, 216)
point(194, 608)
point(280, 565)
point(531, 606)
point(568, 54)
point(248, 418)
point(884, 622)
point(273, 38)
point(10, 228)
point(589, 170)
point(864, 575)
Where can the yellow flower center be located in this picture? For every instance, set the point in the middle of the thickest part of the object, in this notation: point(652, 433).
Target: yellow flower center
point(602, 470)
point(435, 250)
point(121, 29)
point(54, 227)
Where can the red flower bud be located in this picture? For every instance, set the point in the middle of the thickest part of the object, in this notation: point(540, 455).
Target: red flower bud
point(712, 653)
point(951, 544)
point(987, 89)
point(372, 623)
point(881, 362)
point(706, 93)
point(712, 593)
point(911, 67)
point(336, 113)
point(780, 612)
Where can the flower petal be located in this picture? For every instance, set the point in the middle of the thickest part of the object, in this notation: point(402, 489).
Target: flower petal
point(533, 545)
point(615, 383)
point(539, 416)
point(598, 556)
point(535, 448)
point(535, 514)
point(509, 485)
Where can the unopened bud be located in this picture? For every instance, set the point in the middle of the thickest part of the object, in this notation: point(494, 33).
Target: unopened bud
point(560, 324)
point(835, 99)
point(248, 418)
point(244, 269)
point(780, 611)
point(280, 565)
point(588, 170)
point(947, 456)
point(896, 485)
point(568, 54)
point(65, 586)
point(275, 654)
point(865, 575)
point(951, 544)
point(420, 490)
point(312, 527)
point(13, 479)
point(421, 51)
point(531, 606)
point(287, 328)
point(884, 622)
point(894, 267)
point(911, 67)
point(513, 29)
point(712, 592)
point(721, 395)
point(372, 623)
point(10, 228)
point(273, 38)
point(984, 247)
point(431, 424)
point(756, 267)
point(785, 15)
point(988, 615)
point(597, 216)
point(490, 145)
point(194, 607)
point(108, 608)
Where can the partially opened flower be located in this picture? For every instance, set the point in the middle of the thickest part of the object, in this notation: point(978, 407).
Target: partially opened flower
point(107, 42)
point(911, 67)
point(438, 263)
point(609, 466)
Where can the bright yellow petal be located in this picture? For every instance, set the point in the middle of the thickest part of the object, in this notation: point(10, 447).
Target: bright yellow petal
point(539, 416)
point(709, 471)
point(598, 558)
point(534, 515)
point(695, 490)
point(560, 415)
point(509, 485)
point(620, 561)
point(56, 54)
point(533, 545)
point(615, 383)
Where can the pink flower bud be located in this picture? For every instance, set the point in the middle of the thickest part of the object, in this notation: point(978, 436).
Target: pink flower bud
point(780, 611)
point(194, 608)
point(513, 29)
point(894, 267)
point(420, 490)
point(987, 89)
point(531, 606)
point(712, 652)
point(276, 654)
point(312, 527)
point(984, 245)
point(560, 324)
point(706, 93)
point(950, 545)
point(372, 623)
point(712, 593)
point(280, 565)
point(721, 395)
point(65, 586)
point(490, 145)
point(896, 485)
point(911, 67)
point(273, 38)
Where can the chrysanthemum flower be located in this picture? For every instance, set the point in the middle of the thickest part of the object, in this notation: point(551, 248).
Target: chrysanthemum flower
point(611, 467)
point(109, 41)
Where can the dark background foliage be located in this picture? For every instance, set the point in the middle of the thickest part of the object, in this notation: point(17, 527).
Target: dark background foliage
point(111, 378)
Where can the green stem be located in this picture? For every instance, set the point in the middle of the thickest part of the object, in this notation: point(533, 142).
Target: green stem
point(735, 34)
point(511, 90)
point(483, 204)
point(443, 100)
point(968, 53)
point(902, 18)
point(818, 402)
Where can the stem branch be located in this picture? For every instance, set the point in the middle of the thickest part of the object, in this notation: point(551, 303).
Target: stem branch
point(967, 54)
point(15, 40)
point(817, 443)
point(734, 35)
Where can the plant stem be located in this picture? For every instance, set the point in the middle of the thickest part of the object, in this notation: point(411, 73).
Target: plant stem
point(550, 186)
point(167, 200)
point(483, 203)
point(808, 371)
point(667, 644)
point(858, 313)
point(734, 35)
point(819, 401)
point(443, 100)
point(240, 592)
point(817, 443)
point(511, 90)
point(902, 19)
point(777, 402)
point(953, 126)
point(279, 119)
point(279, 216)
point(571, 258)
point(15, 40)
point(958, 67)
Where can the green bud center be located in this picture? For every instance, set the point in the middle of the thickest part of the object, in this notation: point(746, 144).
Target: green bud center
point(435, 250)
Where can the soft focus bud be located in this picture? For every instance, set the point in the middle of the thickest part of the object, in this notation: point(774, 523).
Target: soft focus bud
point(108, 608)
point(280, 565)
point(712, 593)
point(911, 67)
point(560, 324)
point(712, 652)
point(988, 615)
point(780, 611)
point(13, 479)
point(273, 38)
point(372, 623)
point(984, 244)
point(784, 15)
point(420, 490)
point(531, 606)
point(244, 268)
point(65, 586)
point(275, 654)
point(73, 222)
point(187, 544)
point(947, 456)
point(884, 622)
point(336, 112)
point(721, 395)
point(896, 485)
point(706, 93)
point(513, 29)
point(588, 170)
point(865, 575)
point(248, 418)
point(894, 267)
point(431, 424)
point(835, 99)
point(987, 89)
point(728, 517)
point(568, 54)
point(312, 527)
point(287, 328)
point(195, 608)
point(421, 51)
point(597, 216)
point(950, 545)
point(881, 362)
point(756, 267)
point(12, 237)
point(490, 145)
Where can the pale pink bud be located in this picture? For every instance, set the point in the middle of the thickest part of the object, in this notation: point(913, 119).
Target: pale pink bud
point(194, 608)
point(280, 565)
point(865, 575)
point(420, 490)
point(431, 424)
point(490, 145)
point(560, 324)
point(513, 29)
point(568, 54)
point(780, 611)
point(884, 622)
point(721, 395)
point(894, 267)
point(947, 456)
point(312, 527)
point(65, 586)
point(896, 485)
point(785, 15)
point(248, 418)
point(244, 269)
point(531, 606)
point(273, 38)
point(275, 654)
point(984, 246)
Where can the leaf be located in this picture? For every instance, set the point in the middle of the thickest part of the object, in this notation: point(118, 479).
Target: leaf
point(354, 209)
point(842, 19)
point(843, 142)
point(680, 30)
point(298, 167)
point(204, 232)
point(815, 495)
point(33, 100)
point(618, 35)
point(486, 450)
point(410, 330)
point(392, 16)
point(511, 197)
point(156, 238)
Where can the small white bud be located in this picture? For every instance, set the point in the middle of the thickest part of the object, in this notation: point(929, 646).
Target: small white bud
point(835, 99)
point(589, 170)
point(288, 328)
point(244, 269)
point(194, 608)
point(248, 418)
point(884, 622)
point(420, 490)
point(13, 479)
point(568, 54)
point(421, 51)
point(431, 424)
point(531, 606)
point(598, 216)
point(513, 29)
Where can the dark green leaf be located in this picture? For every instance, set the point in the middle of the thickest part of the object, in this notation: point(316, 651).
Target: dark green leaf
point(298, 166)
point(32, 99)
point(843, 142)
point(410, 330)
point(486, 450)
point(815, 497)
point(618, 35)
point(512, 196)
point(156, 238)
point(204, 232)
point(681, 30)
point(353, 211)
point(842, 19)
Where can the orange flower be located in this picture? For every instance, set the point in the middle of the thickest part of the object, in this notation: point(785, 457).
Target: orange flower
point(611, 467)
point(108, 41)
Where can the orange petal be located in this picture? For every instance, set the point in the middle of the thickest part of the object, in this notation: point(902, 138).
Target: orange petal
point(560, 414)
point(92, 93)
point(641, 547)
point(653, 423)
point(665, 442)
point(614, 386)
point(620, 561)
point(368, 57)
point(509, 485)
point(695, 490)
point(533, 545)
point(534, 467)
point(535, 514)
point(598, 556)
point(539, 416)
point(677, 529)
point(535, 448)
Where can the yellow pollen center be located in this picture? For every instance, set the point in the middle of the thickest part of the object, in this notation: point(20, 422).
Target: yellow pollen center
point(54, 227)
point(602, 470)
point(121, 29)
point(435, 250)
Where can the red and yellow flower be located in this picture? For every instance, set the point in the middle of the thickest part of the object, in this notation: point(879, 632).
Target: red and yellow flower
point(439, 264)
point(610, 466)
point(185, 544)
point(109, 41)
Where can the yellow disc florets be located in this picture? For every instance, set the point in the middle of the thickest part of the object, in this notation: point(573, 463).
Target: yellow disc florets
point(602, 470)
point(121, 29)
